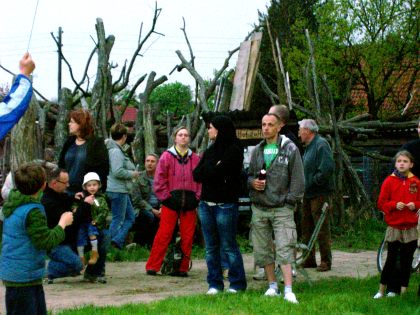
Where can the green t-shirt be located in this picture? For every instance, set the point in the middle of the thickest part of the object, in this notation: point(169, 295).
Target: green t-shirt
point(270, 153)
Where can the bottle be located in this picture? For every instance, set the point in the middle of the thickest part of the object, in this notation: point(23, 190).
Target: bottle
point(263, 173)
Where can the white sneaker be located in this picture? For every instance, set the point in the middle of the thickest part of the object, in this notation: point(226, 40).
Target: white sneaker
point(291, 297)
point(272, 292)
point(232, 291)
point(212, 291)
point(259, 275)
point(391, 294)
point(378, 295)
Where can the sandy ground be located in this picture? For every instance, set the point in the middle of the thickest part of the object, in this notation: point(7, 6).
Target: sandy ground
point(128, 282)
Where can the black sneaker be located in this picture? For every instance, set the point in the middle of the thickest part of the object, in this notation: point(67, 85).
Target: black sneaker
point(151, 272)
point(89, 278)
point(101, 279)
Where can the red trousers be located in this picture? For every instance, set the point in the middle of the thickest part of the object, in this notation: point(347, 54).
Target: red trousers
point(168, 221)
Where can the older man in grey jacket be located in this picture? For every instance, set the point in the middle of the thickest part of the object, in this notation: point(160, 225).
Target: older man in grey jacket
point(273, 201)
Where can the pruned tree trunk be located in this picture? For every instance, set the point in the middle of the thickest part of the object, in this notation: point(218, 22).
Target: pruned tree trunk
point(25, 139)
point(61, 128)
point(150, 142)
point(101, 101)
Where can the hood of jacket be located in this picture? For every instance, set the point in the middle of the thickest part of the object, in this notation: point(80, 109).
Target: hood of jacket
point(174, 172)
point(285, 181)
point(111, 144)
point(16, 199)
point(173, 151)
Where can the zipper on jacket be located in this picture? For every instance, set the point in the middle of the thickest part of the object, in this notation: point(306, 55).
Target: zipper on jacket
point(183, 200)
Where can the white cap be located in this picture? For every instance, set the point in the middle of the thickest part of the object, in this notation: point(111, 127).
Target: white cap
point(91, 176)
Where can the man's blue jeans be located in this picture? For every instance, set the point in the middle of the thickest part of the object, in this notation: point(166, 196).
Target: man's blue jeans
point(64, 262)
point(123, 217)
point(219, 225)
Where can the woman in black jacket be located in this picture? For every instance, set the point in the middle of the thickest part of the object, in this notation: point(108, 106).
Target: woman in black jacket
point(82, 153)
point(219, 171)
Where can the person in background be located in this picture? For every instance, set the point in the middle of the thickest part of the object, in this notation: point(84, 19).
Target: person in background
point(175, 187)
point(120, 184)
point(273, 199)
point(146, 203)
point(399, 200)
point(219, 172)
point(319, 168)
point(284, 115)
point(83, 152)
point(26, 237)
point(16, 102)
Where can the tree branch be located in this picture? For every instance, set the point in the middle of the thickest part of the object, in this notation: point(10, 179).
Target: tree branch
point(124, 84)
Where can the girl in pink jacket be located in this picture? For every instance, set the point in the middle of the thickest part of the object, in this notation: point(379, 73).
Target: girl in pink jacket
point(179, 194)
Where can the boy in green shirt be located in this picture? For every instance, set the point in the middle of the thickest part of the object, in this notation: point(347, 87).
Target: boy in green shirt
point(26, 238)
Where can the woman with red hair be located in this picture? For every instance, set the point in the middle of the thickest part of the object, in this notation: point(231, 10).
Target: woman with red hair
point(83, 153)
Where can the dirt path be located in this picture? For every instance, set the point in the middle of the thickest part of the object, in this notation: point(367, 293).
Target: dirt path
point(128, 283)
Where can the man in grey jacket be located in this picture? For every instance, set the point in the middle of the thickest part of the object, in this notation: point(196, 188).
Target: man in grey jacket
point(319, 168)
point(273, 201)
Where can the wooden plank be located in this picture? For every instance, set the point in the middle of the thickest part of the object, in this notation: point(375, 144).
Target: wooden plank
point(239, 81)
point(254, 59)
point(246, 134)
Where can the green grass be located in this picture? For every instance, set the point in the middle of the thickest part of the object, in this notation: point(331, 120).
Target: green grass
point(332, 296)
point(139, 253)
point(361, 235)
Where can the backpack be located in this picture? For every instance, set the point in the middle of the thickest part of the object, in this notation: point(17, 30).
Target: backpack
point(173, 258)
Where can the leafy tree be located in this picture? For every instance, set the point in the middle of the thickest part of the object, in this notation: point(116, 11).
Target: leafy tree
point(367, 45)
point(287, 20)
point(373, 44)
point(175, 98)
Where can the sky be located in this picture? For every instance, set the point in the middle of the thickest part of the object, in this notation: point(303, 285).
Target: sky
point(214, 27)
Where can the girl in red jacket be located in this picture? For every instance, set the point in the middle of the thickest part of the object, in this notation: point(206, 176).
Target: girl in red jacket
point(399, 200)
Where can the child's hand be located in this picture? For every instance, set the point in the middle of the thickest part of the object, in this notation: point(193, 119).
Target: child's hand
point(66, 219)
point(26, 64)
point(400, 205)
point(90, 199)
point(156, 212)
point(78, 195)
point(411, 206)
point(74, 210)
point(93, 223)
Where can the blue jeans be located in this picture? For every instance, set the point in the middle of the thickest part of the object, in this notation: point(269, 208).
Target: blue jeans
point(26, 300)
point(64, 262)
point(98, 269)
point(123, 217)
point(219, 224)
point(85, 231)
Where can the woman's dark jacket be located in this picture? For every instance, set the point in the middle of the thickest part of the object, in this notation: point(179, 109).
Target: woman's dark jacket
point(97, 159)
point(220, 171)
